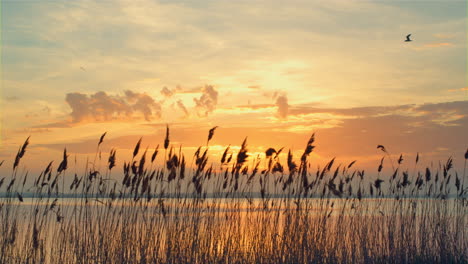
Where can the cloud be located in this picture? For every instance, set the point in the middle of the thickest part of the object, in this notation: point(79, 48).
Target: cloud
point(42, 113)
point(350, 137)
point(103, 107)
point(404, 128)
point(181, 105)
point(349, 112)
point(60, 124)
point(144, 103)
point(207, 101)
point(460, 106)
point(166, 92)
point(442, 114)
point(283, 107)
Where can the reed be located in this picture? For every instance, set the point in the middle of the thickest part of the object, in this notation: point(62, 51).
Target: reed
point(240, 209)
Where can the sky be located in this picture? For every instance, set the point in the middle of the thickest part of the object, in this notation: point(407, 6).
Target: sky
point(272, 71)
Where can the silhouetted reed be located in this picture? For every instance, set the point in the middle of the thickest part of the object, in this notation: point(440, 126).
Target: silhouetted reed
point(244, 209)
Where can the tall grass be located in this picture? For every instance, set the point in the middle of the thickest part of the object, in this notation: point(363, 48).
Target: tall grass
point(242, 210)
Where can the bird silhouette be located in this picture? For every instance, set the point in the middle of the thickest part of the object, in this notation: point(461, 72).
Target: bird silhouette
point(408, 38)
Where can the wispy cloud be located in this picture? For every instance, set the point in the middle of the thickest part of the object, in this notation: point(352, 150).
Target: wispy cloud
point(444, 114)
point(182, 107)
point(167, 92)
point(407, 128)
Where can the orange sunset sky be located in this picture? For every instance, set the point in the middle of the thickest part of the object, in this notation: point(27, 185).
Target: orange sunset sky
point(272, 71)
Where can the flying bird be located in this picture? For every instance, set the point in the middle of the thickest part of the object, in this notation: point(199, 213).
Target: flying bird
point(408, 38)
